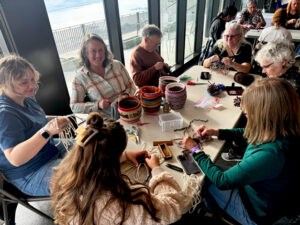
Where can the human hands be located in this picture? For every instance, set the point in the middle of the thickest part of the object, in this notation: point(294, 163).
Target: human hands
point(214, 58)
point(227, 61)
point(291, 21)
point(104, 103)
point(56, 125)
point(203, 131)
point(159, 65)
point(189, 143)
point(259, 25)
point(250, 26)
point(136, 156)
point(153, 161)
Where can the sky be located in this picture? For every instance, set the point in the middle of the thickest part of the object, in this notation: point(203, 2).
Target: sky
point(65, 13)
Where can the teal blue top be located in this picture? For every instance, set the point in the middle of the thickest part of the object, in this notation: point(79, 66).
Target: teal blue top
point(265, 176)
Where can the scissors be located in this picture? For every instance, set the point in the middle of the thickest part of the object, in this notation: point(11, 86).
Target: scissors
point(134, 131)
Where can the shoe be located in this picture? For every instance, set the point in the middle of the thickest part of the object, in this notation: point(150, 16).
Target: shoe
point(231, 156)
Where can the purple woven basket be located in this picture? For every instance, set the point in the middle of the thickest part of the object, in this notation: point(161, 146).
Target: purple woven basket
point(165, 80)
point(176, 95)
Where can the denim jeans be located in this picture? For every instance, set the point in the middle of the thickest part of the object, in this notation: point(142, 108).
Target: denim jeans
point(37, 182)
point(226, 198)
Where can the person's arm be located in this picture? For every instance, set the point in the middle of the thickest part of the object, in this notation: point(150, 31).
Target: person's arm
point(166, 194)
point(242, 19)
point(130, 87)
point(140, 76)
point(212, 57)
point(262, 22)
point(78, 105)
point(250, 170)
point(215, 35)
point(244, 67)
point(26, 150)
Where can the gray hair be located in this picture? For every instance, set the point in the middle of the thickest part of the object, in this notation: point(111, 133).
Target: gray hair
point(13, 68)
point(151, 30)
point(238, 29)
point(249, 2)
point(83, 59)
point(276, 52)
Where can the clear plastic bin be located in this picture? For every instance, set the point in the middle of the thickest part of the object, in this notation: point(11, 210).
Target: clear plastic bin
point(170, 121)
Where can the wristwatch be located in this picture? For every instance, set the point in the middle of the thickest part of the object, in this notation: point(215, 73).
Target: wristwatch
point(45, 134)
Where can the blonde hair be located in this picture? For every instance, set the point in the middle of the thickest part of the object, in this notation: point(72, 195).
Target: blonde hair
point(289, 7)
point(13, 68)
point(92, 169)
point(273, 110)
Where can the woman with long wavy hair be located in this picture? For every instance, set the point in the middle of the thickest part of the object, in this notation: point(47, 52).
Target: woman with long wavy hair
point(88, 187)
point(264, 186)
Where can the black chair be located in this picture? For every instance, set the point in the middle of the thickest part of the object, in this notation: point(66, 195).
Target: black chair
point(10, 197)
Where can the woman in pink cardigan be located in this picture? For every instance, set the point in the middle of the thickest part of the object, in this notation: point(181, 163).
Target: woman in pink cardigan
point(88, 187)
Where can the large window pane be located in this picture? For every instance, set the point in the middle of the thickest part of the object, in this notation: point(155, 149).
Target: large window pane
point(133, 17)
point(190, 27)
point(70, 22)
point(3, 47)
point(168, 12)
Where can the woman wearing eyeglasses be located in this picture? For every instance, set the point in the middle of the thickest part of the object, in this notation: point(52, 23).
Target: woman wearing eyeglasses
point(277, 60)
point(233, 50)
point(251, 18)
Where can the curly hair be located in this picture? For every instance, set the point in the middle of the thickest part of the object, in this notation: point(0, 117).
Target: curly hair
point(87, 172)
point(268, 120)
point(83, 59)
point(277, 52)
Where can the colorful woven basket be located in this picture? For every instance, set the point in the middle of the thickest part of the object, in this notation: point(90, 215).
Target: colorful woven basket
point(130, 109)
point(150, 98)
point(176, 95)
point(165, 80)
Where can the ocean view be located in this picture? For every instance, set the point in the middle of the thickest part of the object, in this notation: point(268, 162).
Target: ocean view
point(66, 13)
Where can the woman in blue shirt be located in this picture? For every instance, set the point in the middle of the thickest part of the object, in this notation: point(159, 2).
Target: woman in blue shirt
point(28, 151)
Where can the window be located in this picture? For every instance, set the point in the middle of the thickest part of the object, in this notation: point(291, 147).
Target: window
point(70, 22)
point(168, 12)
point(3, 48)
point(190, 27)
point(133, 17)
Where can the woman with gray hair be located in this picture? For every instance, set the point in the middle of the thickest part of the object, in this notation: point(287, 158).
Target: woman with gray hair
point(251, 18)
point(277, 60)
point(233, 50)
point(100, 81)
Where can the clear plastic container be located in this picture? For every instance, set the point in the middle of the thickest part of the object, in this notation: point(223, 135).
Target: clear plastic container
point(170, 121)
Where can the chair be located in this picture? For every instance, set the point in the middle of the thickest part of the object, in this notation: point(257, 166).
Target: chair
point(10, 197)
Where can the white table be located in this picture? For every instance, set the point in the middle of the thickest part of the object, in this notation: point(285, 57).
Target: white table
point(224, 117)
point(253, 33)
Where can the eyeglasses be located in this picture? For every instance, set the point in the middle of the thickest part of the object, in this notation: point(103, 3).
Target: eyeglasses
point(267, 66)
point(231, 36)
point(154, 42)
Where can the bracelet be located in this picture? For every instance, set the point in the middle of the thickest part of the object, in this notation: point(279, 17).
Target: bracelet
point(195, 148)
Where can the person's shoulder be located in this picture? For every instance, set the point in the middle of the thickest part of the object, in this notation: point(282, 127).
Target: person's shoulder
point(244, 12)
point(258, 12)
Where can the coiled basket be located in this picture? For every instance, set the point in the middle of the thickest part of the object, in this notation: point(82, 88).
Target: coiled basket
point(130, 109)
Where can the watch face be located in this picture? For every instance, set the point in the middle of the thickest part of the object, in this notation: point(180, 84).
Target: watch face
point(45, 134)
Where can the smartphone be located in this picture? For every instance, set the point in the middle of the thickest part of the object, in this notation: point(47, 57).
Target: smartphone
point(205, 75)
point(188, 163)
